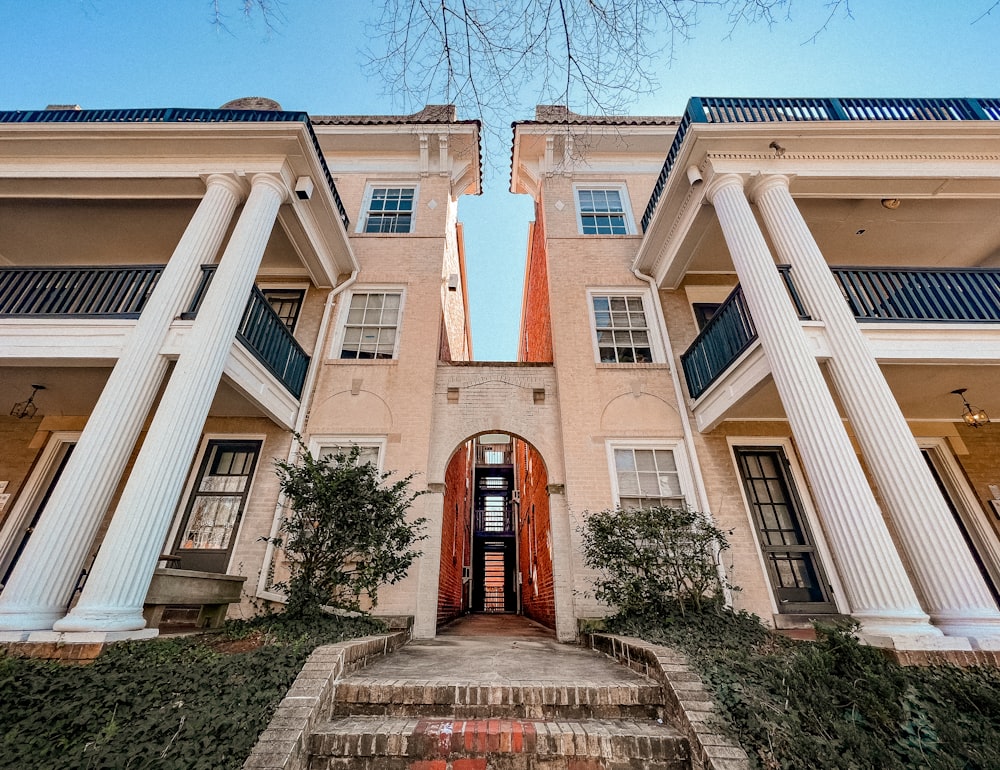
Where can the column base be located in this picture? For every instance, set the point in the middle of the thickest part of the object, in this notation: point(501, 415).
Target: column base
point(906, 631)
point(90, 637)
point(982, 628)
point(101, 621)
point(27, 620)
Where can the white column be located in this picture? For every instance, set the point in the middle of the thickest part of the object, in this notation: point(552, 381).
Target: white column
point(113, 596)
point(40, 587)
point(878, 590)
point(954, 591)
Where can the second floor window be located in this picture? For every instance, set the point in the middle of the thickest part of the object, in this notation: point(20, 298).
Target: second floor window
point(389, 210)
point(602, 211)
point(622, 331)
point(371, 326)
point(286, 303)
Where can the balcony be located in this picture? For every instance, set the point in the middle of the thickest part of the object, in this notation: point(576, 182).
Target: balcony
point(710, 110)
point(882, 295)
point(122, 292)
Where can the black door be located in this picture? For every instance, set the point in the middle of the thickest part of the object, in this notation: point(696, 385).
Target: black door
point(493, 575)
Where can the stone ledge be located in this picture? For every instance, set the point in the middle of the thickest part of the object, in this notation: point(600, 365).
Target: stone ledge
point(685, 697)
point(963, 658)
point(282, 745)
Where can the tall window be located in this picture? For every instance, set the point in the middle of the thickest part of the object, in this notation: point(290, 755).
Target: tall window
point(371, 326)
point(647, 477)
point(602, 211)
point(286, 303)
point(622, 332)
point(389, 210)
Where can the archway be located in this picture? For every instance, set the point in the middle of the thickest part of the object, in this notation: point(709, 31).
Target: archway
point(496, 535)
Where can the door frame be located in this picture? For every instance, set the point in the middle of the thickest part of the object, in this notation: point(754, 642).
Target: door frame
point(808, 513)
point(968, 505)
point(32, 492)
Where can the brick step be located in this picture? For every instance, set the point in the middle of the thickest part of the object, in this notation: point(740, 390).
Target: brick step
point(471, 700)
point(401, 743)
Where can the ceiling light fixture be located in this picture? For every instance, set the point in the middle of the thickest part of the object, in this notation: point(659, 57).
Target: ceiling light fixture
point(974, 417)
point(28, 407)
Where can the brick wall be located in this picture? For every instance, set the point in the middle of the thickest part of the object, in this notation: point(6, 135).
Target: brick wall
point(534, 537)
point(456, 536)
point(16, 456)
point(536, 321)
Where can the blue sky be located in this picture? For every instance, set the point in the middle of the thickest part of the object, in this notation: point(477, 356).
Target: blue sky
point(139, 53)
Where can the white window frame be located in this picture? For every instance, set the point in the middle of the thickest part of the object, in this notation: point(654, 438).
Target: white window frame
point(676, 446)
point(344, 309)
point(181, 510)
point(828, 565)
point(652, 325)
point(622, 189)
point(329, 440)
point(366, 204)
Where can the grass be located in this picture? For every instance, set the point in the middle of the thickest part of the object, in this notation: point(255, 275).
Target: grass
point(833, 703)
point(164, 704)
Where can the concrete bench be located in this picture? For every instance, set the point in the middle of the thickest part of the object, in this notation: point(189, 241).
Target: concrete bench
point(211, 591)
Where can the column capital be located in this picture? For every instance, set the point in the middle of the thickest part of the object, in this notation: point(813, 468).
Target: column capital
point(274, 182)
point(761, 183)
point(230, 182)
point(719, 182)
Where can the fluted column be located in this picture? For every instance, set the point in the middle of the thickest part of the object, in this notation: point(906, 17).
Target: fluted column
point(41, 585)
point(113, 596)
point(873, 575)
point(955, 594)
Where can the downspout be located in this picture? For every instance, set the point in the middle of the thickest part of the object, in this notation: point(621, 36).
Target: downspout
point(308, 390)
point(682, 409)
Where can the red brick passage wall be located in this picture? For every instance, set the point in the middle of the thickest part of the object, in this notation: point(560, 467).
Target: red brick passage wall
point(456, 535)
point(534, 551)
point(536, 333)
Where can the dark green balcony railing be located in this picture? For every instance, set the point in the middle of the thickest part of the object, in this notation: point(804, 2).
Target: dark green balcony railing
point(101, 292)
point(874, 294)
point(122, 292)
point(181, 115)
point(787, 110)
point(264, 334)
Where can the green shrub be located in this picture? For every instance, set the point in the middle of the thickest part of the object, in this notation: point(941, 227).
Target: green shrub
point(657, 560)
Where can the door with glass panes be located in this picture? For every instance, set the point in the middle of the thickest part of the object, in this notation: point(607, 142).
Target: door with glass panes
point(213, 512)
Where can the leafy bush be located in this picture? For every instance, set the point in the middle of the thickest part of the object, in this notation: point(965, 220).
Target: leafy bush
point(163, 704)
point(654, 560)
point(346, 532)
point(833, 704)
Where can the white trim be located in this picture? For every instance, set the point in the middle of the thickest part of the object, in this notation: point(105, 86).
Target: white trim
point(966, 502)
point(193, 476)
point(370, 188)
point(31, 492)
point(673, 445)
point(622, 190)
point(827, 563)
point(341, 321)
point(380, 442)
point(652, 327)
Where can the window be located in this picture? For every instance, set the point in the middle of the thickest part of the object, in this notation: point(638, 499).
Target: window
point(603, 211)
point(389, 210)
point(286, 303)
point(647, 477)
point(371, 325)
point(705, 312)
point(622, 332)
point(372, 447)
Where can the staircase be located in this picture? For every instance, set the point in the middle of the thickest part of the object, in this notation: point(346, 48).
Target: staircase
point(495, 703)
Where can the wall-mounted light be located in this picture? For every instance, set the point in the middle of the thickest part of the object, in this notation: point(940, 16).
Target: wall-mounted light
point(973, 416)
point(28, 407)
point(891, 203)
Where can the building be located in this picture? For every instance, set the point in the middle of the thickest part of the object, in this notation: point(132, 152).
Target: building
point(769, 309)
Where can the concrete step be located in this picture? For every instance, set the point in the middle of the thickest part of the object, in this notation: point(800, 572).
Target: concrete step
point(402, 743)
point(358, 695)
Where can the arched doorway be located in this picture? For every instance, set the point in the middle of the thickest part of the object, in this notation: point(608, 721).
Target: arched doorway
point(496, 538)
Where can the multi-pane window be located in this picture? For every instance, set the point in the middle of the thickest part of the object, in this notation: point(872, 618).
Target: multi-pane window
point(647, 477)
point(367, 453)
point(622, 333)
point(602, 212)
point(371, 326)
point(390, 210)
point(286, 303)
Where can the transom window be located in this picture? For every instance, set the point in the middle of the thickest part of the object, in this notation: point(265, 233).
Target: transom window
point(371, 326)
point(647, 477)
point(622, 332)
point(286, 303)
point(390, 210)
point(602, 211)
